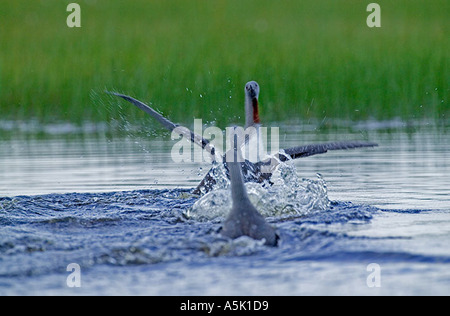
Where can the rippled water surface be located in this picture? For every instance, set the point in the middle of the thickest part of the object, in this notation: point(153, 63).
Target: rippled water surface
point(120, 208)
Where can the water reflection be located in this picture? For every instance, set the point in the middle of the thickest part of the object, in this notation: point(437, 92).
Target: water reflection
point(409, 170)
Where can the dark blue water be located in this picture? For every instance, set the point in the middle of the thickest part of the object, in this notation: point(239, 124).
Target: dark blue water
point(140, 242)
point(376, 222)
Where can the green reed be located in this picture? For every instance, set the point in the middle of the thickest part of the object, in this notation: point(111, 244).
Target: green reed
point(312, 59)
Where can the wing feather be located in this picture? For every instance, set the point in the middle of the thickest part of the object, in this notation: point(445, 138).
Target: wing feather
point(197, 139)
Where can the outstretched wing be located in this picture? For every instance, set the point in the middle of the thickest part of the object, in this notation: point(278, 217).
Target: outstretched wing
point(314, 149)
point(268, 165)
point(197, 139)
point(161, 119)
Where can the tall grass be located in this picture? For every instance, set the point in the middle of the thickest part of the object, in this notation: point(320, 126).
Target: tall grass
point(191, 58)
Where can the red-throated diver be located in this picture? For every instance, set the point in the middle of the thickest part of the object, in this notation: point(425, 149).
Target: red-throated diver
point(252, 171)
point(244, 219)
point(251, 104)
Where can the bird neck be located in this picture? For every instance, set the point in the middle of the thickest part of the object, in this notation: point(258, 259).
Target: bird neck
point(251, 111)
point(238, 191)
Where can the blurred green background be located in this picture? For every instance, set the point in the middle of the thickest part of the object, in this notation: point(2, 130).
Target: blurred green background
point(192, 58)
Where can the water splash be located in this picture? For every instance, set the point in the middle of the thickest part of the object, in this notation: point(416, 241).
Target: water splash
point(242, 246)
point(288, 196)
